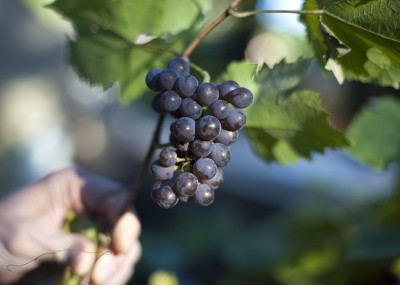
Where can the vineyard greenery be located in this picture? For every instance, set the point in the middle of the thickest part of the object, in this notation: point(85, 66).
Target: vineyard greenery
point(116, 43)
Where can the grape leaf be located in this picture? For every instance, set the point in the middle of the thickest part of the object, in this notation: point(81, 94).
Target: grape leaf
point(291, 129)
point(375, 133)
point(358, 39)
point(243, 73)
point(130, 18)
point(106, 59)
point(281, 127)
point(112, 44)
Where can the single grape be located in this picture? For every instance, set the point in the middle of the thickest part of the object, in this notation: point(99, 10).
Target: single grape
point(168, 156)
point(186, 85)
point(161, 172)
point(153, 79)
point(221, 154)
point(168, 78)
point(184, 129)
point(241, 97)
point(190, 108)
point(156, 104)
point(170, 101)
point(208, 127)
point(185, 184)
point(216, 181)
point(207, 93)
point(204, 168)
point(200, 148)
point(204, 195)
point(163, 194)
point(180, 65)
point(227, 137)
point(220, 109)
point(235, 120)
point(225, 88)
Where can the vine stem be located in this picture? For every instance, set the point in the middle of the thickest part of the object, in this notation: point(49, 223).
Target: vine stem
point(155, 143)
point(244, 14)
point(196, 41)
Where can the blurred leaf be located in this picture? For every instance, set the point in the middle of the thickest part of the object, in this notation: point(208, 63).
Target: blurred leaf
point(358, 39)
point(375, 133)
point(162, 277)
point(286, 129)
point(308, 267)
point(109, 46)
point(376, 243)
point(130, 18)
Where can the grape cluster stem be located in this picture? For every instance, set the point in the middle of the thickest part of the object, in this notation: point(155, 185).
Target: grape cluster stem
point(155, 143)
point(192, 46)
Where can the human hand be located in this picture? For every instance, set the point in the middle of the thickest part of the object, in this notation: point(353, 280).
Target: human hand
point(31, 223)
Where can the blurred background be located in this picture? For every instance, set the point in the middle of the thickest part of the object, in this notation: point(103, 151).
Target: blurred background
point(269, 224)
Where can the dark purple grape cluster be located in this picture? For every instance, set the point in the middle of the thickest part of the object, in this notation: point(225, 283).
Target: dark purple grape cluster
point(208, 118)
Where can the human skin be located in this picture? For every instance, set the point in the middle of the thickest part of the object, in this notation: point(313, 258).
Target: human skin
point(31, 234)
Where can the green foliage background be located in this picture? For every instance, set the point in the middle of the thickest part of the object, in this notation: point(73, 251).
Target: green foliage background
point(319, 241)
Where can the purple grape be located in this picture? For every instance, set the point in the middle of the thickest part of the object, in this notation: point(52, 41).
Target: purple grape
point(216, 181)
point(190, 108)
point(180, 65)
point(200, 148)
point(152, 79)
point(235, 120)
point(184, 129)
point(186, 85)
point(168, 156)
point(204, 168)
point(185, 184)
point(241, 97)
point(221, 154)
point(156, 104)
point(225, 88)
point(208, 127)
point(220, 109)
point(161, 172)
point(163, 195)
point(204, 195)
point(170, 101)
point(168, 78)
point(227, 137)
point(207, 93)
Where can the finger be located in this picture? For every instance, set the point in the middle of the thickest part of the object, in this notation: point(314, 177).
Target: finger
point(116, 268)
point(127, 267)
point(126, 232)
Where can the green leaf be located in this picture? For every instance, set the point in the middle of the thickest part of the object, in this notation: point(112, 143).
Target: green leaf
point(106, 59)
point(281, 127)
point(358, 39)
point(291, 129)
point(375, 133)
point(130, 18)
point(243, 73)
point(108, 48)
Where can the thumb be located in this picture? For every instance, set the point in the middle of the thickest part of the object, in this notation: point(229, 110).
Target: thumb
point(74, 250)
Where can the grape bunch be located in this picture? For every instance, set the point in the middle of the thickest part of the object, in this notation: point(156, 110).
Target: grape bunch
point(208, 118)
